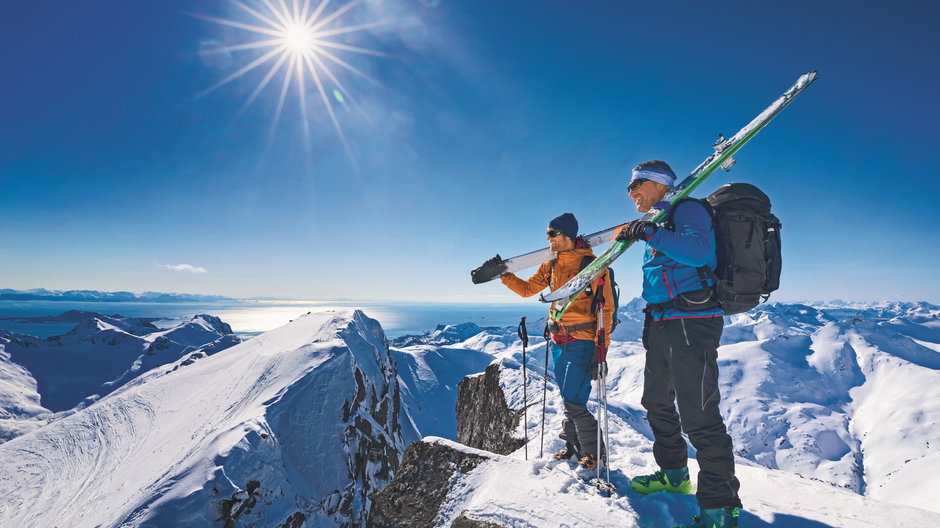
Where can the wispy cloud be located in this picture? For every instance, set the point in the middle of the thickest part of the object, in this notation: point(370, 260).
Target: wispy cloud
point(182, 267)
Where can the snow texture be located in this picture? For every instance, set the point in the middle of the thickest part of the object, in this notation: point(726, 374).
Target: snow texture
point(806, 390)
point(834, 409)
point(296, 424)
point(42, 379)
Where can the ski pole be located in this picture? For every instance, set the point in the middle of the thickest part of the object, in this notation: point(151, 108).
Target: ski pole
point(599, 416)
point(524, 336)
point(601, 346)
point(606, 433)
point(544, 391)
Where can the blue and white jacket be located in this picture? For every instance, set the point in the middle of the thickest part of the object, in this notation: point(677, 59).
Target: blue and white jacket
point(671, 259)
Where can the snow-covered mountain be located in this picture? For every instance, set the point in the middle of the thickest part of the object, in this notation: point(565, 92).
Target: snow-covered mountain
point(41, 377)
point(296, 427)
point(834, 410)
point(847, 394)
point(42, 294)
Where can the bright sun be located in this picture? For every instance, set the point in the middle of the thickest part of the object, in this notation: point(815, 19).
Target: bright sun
point(298, 41)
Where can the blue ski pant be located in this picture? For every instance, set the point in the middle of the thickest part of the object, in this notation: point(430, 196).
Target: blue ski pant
point(572, 364)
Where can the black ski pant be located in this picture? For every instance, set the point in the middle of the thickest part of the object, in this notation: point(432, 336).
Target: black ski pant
point(579, 428)
point(682, 367)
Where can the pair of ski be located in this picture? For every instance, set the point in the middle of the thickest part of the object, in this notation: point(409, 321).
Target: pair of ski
point(725, 149)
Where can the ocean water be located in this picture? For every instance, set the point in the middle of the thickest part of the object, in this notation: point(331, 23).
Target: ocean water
point(249, 318)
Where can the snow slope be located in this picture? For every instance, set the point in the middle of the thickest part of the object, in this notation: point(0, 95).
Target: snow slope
point(513, 492)
point(298, 424)
point(102, 352)
point(42, 379)
point(845, 394)
point(428, 377)
point(834, 411)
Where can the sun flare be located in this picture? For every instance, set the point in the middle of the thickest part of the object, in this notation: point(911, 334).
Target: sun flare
point(300, 42)
point(298, 39)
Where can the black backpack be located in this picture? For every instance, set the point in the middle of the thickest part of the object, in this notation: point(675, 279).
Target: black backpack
point(747, 237)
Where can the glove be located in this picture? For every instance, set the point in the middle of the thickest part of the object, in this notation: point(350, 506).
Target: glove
point(598, 370)
point(637, 230)
point(491, 269)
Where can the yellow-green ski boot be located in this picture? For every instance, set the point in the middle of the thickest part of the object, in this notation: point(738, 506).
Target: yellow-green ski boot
point(671, 480)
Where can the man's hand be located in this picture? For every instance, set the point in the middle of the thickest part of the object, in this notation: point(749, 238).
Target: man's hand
point(637, 230)
point(598, 370)
point(491, 269)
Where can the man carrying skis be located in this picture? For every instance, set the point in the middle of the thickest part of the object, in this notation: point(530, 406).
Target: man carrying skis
point(683, 326)
point(574, 349)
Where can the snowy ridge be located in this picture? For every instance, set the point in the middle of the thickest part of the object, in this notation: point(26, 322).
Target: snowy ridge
point(45, 379)
point(103, 352)
point(428, 377)
point(806, 390)
point(94, 295)
point(298, 426)
point(509, 491)
point(251, 434)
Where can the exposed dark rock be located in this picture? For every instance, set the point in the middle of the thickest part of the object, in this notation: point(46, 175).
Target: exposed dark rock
point(469, 522)
point(240, 504)
point(484, 420)
point(413, 498)
point(296, 520)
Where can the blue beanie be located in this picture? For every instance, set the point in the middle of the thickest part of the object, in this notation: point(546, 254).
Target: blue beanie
point(567, 224)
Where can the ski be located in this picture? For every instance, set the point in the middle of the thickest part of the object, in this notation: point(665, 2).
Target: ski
point(496, 266)
point(722, 157)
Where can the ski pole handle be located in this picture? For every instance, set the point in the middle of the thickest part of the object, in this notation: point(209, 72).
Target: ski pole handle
point(523, 333)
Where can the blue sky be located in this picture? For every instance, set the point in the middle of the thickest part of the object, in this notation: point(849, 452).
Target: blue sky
point(482, 121)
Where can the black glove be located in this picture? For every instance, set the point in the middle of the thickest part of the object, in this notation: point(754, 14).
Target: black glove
point(598, 369)
point(490, 270)
point(637, 230)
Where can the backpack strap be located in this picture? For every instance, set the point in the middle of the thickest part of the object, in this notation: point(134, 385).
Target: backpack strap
point(585, 261)
point(704, 272)
point(670, 221)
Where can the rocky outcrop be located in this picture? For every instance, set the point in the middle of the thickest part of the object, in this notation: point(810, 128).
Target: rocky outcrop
point(465, 521)
point(430, 467)
point(484, 420)
point(414, 497)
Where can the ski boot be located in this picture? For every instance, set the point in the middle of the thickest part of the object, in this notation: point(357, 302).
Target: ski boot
point(671, 480)
point(569, 451)
point(715, 518)
point(590, 462)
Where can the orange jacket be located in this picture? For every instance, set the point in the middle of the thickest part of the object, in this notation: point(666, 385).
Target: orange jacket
point(567, 266)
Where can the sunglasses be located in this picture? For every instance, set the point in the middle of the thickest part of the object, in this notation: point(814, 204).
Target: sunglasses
point(553, 233)
point(635, 184)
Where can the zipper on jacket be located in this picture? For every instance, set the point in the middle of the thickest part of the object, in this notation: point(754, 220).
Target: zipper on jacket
point(668, 288)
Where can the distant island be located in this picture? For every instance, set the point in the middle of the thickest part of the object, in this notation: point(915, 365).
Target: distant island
point(42, 294)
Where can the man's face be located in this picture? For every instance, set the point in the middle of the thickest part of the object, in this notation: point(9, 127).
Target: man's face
point(646, 193)
point(558, 241)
